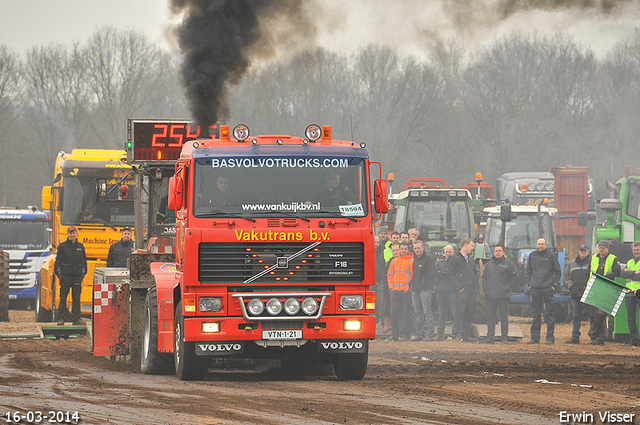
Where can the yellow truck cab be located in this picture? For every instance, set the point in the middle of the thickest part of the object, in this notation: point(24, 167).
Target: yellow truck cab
point(92, 190)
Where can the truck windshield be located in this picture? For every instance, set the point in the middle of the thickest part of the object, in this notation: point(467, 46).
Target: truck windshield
point(23, 234)
point(80, 205)
point(521, 231)
point(430, 218)
point(259, 186)
point(633, 201)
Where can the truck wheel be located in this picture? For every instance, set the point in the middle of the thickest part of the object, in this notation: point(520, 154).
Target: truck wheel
point(352, 366)
point(42, 315)
point(188, 365)
point(152, 362)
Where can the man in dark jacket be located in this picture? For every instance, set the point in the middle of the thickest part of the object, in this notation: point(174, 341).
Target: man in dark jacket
point(70, 267)
point(466, 275)
point(576, 275)
point(446, 288)
point(119, 252)
point(543, 274)
point(421, 285)
point(500, 275)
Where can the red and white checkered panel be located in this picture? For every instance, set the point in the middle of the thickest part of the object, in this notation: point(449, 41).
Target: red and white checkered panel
point(102, 293)
point(162, 249)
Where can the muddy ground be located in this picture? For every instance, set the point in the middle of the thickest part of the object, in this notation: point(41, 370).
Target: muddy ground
point(406, 383)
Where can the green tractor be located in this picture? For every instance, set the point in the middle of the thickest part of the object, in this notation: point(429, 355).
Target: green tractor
point(621, 228)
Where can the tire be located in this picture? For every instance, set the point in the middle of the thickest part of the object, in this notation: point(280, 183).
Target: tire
point(352, 366)
point(4, 286)
point(42, 315)
point(188, 365)
point(152, 362)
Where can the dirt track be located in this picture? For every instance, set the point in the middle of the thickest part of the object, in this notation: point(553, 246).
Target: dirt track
point(406, 383)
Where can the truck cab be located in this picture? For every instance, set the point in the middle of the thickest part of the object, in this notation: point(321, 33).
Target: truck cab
point(24, 236)
point(273, 237)
point(442, 216)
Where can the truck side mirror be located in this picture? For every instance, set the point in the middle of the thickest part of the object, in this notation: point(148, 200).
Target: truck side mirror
point(175, 193)
point(505, 212)
point(582, 218)
point(381, 196)
point(47, 198)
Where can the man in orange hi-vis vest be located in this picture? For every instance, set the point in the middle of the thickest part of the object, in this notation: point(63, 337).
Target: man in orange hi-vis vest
point(398, 276)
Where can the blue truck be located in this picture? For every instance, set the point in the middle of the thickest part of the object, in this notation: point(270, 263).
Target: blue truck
point(24, 236)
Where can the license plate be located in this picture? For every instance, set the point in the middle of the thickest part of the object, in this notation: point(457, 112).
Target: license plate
point(13, 297)
point(282, 335)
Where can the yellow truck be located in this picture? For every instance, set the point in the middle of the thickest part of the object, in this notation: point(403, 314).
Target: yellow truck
point(92, 190)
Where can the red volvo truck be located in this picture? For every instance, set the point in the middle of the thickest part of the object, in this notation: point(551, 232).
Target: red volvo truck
point(274, 255)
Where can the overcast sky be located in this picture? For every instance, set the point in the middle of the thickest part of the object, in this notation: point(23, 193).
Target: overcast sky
point(343, 25)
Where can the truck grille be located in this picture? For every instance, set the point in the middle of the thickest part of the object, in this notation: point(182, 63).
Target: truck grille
point(281, 263)
point(22, 272)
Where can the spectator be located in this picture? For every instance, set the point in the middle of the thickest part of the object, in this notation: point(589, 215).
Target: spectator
point(500, 275)
point(607, 265)
point(394, 247)
point(414, 234)
point(446, 287)
point(70, 267)
point(632, 273)
point(399, 274)
point(421, 285)
point(543, 274)
point(576, 275)
point(466, 275)
point(395, 238)
point(119, 252)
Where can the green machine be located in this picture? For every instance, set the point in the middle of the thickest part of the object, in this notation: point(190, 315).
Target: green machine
point(621, 228)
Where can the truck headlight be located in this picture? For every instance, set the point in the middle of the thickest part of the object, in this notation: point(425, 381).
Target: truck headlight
point(291, 306)
point(309, 306)
point(256, 306)
point(274, 306)
point(351, 302)
point(208, 304)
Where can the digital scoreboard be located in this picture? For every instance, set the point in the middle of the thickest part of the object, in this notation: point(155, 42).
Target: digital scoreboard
point(161, 140)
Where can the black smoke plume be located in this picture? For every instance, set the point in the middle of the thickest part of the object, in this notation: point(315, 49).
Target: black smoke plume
point(220, 38)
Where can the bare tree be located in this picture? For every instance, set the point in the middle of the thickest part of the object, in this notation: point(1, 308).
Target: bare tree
point(526, 97)
point(311, 89)
point(618, 117)
point(10, 92)
point(124, 70)
point(56, 102)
